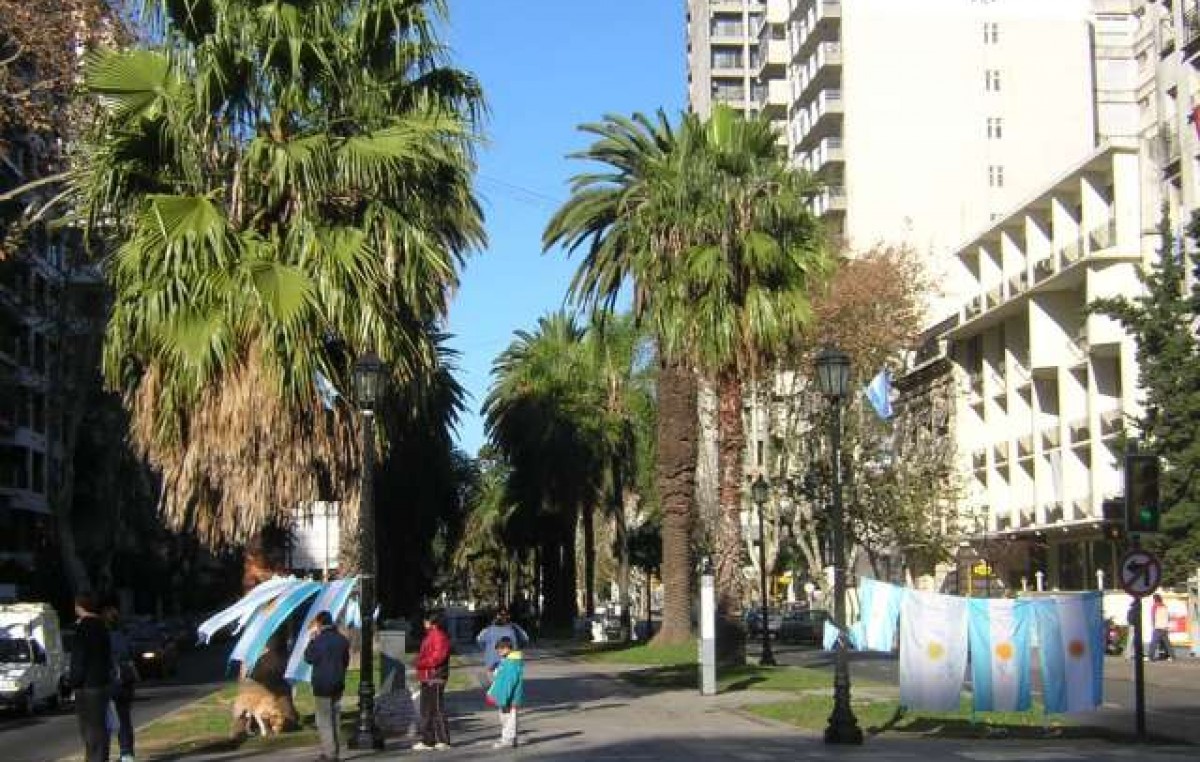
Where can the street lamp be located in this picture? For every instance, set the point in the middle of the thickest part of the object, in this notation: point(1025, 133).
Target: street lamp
point(760, 490)
point(370, 377)
point(833, 380)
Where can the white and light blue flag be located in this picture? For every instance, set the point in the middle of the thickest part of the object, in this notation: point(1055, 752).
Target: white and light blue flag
point(933, 651)
point(1001, 637)
point(325, 389)
point(1070, 631)
point(879, 394)
point(829, 636)
point(267, 621)
point(241, 611)
point(879, 606)
point(332, 598)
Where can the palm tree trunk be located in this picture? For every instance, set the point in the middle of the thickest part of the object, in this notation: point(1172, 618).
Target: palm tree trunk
point(727, 537)
point(589, 559)
point(622, 535)
point(675, 479)
point(708, 459)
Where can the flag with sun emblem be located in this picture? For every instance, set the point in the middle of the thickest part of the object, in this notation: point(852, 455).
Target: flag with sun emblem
point(1000, 633)
point(1070, 631)
point(933, 650)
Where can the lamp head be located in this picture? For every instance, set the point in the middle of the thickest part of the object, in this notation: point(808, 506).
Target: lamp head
point(760, 490)
point(370, 376)
point(833, 373)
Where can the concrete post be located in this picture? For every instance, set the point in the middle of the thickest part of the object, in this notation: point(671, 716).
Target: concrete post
point(708, 630)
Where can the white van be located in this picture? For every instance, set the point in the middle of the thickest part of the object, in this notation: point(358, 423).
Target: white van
point(33, 665)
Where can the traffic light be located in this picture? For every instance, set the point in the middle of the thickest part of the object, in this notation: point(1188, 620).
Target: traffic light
point(1114, 520)
point(1142, 508)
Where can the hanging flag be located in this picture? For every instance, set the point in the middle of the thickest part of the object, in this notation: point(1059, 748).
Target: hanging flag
point(829, 636)
point(879, 394)
point(1000, 633)
point(241, 611)
point(353, 615)
point(332, 598)
point(325, 389)
point(933, 651)
point(272, 618)
point(879, 606)
point(1070, 632)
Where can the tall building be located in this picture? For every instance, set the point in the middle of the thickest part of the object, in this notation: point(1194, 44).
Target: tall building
point(930, 118)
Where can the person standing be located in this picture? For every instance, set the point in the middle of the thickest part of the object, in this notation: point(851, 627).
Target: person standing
point(125, 674)
point(507, 693)
point(91, 677)
point(329, 654)
point(501, 627)
point(1160, 637)
point(433, 670)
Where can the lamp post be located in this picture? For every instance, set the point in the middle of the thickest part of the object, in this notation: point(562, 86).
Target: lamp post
point(760, 490)
point(833, 380)
point(370, 375)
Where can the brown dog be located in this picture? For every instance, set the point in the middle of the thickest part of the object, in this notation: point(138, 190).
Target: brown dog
point(257, 706)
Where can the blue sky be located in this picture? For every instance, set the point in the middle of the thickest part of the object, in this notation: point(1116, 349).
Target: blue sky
point(546, 66)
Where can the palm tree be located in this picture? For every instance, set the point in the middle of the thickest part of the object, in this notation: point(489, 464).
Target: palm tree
point(749, 283)
point(709, 225)
point(278, 188)
point(543, 420)
point(632, 222)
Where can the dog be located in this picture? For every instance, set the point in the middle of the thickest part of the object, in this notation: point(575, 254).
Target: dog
point(256, 708)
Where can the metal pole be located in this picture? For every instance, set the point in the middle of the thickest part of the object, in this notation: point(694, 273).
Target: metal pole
point(843, 725)
point(367, 735)
point(768, 658)
point(1139, 659)
point(708, 628)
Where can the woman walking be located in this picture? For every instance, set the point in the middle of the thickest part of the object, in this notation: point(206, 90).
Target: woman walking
point(433, 670)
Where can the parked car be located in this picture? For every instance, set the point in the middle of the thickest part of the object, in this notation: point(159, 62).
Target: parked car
point(155, 653)
point(754, 621)
point(805, 626)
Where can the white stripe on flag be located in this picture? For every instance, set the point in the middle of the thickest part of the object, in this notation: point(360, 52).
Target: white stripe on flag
point(933, 651)
point(1000, 654)
point(332, 599)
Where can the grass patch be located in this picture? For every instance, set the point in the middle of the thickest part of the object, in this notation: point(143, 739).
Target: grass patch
point(876, 716)
point(639, 654)
point(202, 727)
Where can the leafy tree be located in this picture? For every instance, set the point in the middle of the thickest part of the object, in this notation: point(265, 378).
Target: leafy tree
point(1162, 321)
point(278, 188)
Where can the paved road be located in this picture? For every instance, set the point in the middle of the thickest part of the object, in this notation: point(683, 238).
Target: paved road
point(1172, 692)
point(49, 736)
point(581, 712)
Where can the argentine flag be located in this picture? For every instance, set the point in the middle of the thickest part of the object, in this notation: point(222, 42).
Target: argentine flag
point(241, 611)
point(1070, 631)
point(879, 605)
point(268, 620)
point(933, 651)
point(879, 394)
point(332, 598)
point(1001, 633)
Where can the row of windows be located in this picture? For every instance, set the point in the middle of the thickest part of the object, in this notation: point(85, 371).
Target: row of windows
point(23, 408)
point(22, 468)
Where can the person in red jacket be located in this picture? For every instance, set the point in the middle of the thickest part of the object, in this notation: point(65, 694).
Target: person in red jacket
point(433, 670)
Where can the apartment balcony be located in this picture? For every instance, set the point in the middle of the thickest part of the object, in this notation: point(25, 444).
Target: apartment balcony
point(1191, 29)
point(822, 68)
point(824, 117)
point(1080, 432)
point(1045, 268)
point(1025, 447)
point(826, 155)
point(1017, 283)
point(1112, 424)
point(772, 51)
point(1102, 237)
point(996, 382)
point(817, 21)
point(1081, 346)
point(832, 200)
point(975, 387)
point(1050, 437)
point(1082, 506)
point(727, 34)
point(1000, 454)
point(979, 460)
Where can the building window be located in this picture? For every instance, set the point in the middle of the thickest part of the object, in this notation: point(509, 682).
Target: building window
point(725, 58)
point(996, 176)
point(39, 473)
point(995, 127)
point(991, 33)
point(992, 80)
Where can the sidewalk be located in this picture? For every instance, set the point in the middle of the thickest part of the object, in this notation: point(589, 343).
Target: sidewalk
point(583, 712)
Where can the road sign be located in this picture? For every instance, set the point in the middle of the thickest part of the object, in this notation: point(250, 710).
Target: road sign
point(1140, 573)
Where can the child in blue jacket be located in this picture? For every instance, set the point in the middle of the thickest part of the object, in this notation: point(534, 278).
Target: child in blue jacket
point(507, 693)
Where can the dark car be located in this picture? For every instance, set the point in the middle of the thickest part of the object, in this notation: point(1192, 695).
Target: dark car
point(154, 652)
point(754, 621)
point(803, 626)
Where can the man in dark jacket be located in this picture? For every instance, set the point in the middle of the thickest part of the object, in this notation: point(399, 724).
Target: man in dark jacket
point(91, 677)
point(329, 654)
